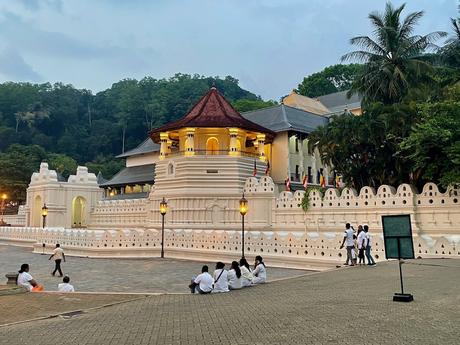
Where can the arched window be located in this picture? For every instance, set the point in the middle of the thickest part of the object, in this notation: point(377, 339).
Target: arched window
point(212, 146)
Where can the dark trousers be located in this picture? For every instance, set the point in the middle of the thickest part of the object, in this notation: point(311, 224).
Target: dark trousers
point(57, 267)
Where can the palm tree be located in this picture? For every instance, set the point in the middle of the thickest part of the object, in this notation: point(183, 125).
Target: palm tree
point(450, 53)
point(393, 60)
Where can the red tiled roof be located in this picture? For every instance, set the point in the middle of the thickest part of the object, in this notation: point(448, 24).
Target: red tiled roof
point(212, 110)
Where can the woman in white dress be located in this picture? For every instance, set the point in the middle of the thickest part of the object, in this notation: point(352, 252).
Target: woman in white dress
point(26, 280)
point(246, 274)
point(260, 272)
point(234, 276)
point(220, 278)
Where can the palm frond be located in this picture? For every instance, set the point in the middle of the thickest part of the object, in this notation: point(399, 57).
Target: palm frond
point(367, 43)
point(359, 55)
point(407, 26)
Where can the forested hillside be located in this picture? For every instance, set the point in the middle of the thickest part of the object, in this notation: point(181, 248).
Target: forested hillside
point(67, 126)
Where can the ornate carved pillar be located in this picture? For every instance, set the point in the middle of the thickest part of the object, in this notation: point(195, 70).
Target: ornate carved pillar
point(261, 146)
point(164, 137)
point(190, 143)
point(233, 149)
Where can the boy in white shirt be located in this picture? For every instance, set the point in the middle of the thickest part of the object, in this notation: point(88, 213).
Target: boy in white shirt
point(65, 286)
point(203, 283)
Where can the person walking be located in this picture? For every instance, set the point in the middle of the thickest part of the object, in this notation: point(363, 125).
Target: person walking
point(361, 244)
point(58, 255)
point(368, 243)
point(348, 238)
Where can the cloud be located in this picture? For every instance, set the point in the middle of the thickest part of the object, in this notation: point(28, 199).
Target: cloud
point(13, 66)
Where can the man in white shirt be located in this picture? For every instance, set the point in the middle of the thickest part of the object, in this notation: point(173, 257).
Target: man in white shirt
point(65, 286)
point(203, 283)
point(368, 244)
point(361, 244)
point(58, 255)
point(348, 238)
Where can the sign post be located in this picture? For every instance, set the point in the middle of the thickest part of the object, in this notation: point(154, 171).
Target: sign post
point(397, 235)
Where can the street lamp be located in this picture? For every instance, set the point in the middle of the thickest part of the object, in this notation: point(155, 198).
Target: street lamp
point(243, 211)
point(163, 210)
point(44, 214)
point(4, 197)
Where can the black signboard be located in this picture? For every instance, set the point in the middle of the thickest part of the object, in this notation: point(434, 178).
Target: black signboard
point(397, 236)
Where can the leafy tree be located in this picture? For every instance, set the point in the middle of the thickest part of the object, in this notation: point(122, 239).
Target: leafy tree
point(18, 163)
point(393, 61)
point(108, 166)
point(433, 146)
point(243, 105)
point(63, 164)
point(332, 79)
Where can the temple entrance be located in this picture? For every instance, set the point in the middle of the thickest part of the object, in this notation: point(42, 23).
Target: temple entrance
point(212, 146)
point(37, 212)
point(78, 212)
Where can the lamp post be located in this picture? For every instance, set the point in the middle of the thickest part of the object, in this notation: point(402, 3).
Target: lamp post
point(44, 214)
point(163, 210)
point(4, 197)
point(243, 211)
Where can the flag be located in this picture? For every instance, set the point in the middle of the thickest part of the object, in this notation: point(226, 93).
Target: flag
point(337, 181)
point(318, 176)
point(288, 184)
point(254, 172)
point(322, 181)
point(304, 180)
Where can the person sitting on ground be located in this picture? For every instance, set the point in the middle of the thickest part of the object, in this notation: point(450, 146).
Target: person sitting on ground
point(65, 286)
point(234, 276)
point(220, 278)
point(260, 272)
point(26, 280)
point(203, 283)
point(246, 274)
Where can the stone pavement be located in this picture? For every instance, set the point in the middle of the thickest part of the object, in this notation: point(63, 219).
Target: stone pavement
point(346, 306)
point(114, 275)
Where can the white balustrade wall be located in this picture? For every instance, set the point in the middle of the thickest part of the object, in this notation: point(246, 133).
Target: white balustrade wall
point(277, 227)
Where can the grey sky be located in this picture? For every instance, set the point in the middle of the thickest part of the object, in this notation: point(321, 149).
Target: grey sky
point(269, 45)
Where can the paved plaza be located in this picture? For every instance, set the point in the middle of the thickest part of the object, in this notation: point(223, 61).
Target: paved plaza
point(346, 306)
point(115, 275)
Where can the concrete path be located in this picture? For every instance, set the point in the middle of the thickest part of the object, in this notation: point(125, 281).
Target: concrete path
point(346, 306)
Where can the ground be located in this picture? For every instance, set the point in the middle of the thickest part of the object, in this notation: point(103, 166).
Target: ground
point(114, 275)
point(349, 305)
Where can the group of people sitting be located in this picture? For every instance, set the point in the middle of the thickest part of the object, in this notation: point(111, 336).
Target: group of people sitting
point(238, 276)
point(26, 280)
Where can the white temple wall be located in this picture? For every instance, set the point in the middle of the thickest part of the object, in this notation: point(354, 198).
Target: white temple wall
point(144, 159)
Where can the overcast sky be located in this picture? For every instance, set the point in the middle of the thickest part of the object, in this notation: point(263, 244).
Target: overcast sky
point(269, 45)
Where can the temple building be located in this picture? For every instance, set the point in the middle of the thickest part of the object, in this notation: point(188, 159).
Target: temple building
point(277, 136)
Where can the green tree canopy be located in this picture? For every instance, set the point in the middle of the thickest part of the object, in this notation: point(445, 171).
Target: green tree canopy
point(331, 79)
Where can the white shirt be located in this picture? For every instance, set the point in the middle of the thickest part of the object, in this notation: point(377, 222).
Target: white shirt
point(65, 287)
point(57, 253)
point(233, 281)
point(348, 234)
point(260, 272)
point(205, 281)
point(368, 240)
point(221, 284)
point(23, 280)
point(361, 238)
point(246, 276)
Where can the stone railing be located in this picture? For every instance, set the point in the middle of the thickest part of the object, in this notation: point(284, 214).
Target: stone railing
point(18, 219)
point(281, 248)
point(119, 213)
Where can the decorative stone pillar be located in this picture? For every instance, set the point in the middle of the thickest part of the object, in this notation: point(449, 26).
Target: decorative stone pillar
point(164, 137)
point(261, 146)
point(233, 149)
point(168, 146)
point(190, 142)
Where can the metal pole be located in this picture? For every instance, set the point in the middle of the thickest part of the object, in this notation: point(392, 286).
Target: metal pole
point(44, 221)
point(242, 236)
point(162, 235)
point(400, 264)
point(3, 210)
